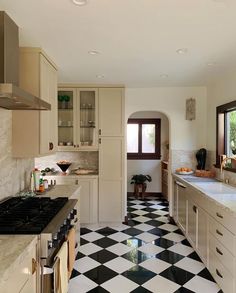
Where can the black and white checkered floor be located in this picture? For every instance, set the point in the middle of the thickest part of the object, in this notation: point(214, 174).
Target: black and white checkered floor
point(147, 255)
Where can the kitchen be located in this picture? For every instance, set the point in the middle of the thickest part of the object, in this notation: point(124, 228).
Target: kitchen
point(143, 94)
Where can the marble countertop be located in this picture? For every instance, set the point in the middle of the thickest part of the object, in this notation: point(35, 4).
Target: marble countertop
point(70, 191)
point(222, 194)
point(13, 249)
point(72, 175)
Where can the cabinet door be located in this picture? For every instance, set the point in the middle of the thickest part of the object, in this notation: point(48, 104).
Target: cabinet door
point(182, 207)
point(48, 121)
point(202, 245)
point(192, 222)
point(175, 202)
point(111, 112)
point(111, 179)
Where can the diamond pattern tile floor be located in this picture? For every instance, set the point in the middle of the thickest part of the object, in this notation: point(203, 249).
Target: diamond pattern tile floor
point(149, 254)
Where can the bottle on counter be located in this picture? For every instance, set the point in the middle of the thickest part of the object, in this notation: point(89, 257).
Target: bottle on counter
point(45, 183)
point(41, 185)
point(37, 175)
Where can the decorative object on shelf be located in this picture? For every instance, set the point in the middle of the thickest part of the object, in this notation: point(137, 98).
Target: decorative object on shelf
point(190, 109)
point(140, 184)
point(63, 101)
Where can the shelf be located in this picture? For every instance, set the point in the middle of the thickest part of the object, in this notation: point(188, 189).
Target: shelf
point(61, 126)
point(87, 126)
point(87, 108)
point(65, 109)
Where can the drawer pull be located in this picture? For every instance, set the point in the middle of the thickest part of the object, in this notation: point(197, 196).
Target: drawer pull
point(219, 233)
point(218, 251)
point(34, 266)
point(194, 209)
point(219, 215)
point(219, 274)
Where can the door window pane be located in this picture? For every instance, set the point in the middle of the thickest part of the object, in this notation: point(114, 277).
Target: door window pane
point(148, 138)
point(132, 138)
point(231, 133)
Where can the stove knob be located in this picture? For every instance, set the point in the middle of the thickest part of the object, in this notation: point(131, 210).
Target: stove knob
point(74, 212)
point(50, 244)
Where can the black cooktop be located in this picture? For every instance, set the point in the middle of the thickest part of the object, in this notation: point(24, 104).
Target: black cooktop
point(30, 215)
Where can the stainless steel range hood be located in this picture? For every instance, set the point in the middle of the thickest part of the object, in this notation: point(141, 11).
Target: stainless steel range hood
point(11, 96)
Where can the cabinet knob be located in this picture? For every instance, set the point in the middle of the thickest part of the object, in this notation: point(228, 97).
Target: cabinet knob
point(219, 233)
point(218, 251)
point(51, 146)
point(76, 181)
point(194, 209)
point(219, 274)
point(100, 140)
point(100, 131)
point(219, 215)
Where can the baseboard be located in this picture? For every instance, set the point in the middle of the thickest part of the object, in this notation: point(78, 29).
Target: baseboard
point(156, 194)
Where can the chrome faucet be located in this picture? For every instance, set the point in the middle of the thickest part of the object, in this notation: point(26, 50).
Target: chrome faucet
point(222, 165)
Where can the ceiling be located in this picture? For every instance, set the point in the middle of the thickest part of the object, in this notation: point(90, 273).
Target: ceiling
point(137, 39)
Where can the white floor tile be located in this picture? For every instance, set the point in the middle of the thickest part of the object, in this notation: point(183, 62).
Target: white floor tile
point(163, 219)
point(168, 227)
point(141, 219)
point(119, 284)
point(191, 265)
point(119, 248)
point(119, 226)
point(136, 201)
point(93, 227)
point(174, 237)
point(156, 206)
point(89, 248)
point(154, 201)
point(155, 265)
point(81, 284)
point(138, 207)
point(160, 212)
point(147, 237)
point(92, 236)
point(150, 249)
point(181, 249)
point(119, 236)
point(140, 212)
point(200, 285)
point(119, 264)
point(85, 264)
point(144, 227)
point(159, 284)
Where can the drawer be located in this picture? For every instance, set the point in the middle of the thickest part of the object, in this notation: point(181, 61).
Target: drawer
point(223, 254)
point(223, 235)
point(222, 216)
point(221, 275)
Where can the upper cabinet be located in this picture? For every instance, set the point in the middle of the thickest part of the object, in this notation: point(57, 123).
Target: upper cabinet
point(34, 133)
point(111, 114)
point(77, 119)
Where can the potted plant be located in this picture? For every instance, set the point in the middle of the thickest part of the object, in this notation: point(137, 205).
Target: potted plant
point(140, 184)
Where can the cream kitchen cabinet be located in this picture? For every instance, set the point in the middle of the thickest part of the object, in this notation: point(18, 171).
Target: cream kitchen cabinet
point(77, 119)
point(35, 132)
point(192, 222)
point(111, 111)
point(88, 201)
point(181, 205)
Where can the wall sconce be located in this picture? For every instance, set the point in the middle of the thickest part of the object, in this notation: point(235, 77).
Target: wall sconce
point(190, 109)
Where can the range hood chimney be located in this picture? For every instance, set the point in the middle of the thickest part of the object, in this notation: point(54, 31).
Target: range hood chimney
point(11, 96)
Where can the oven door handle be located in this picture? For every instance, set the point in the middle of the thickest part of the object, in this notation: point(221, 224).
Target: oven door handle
point(50, 270)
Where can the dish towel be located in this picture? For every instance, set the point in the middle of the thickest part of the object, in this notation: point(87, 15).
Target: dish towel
point(60, 270)
point(71, 250)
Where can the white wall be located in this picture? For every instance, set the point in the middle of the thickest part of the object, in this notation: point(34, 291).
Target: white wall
point(149, 167)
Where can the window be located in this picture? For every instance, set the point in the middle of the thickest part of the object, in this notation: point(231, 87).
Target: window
point(143, 139)
point(226, 131)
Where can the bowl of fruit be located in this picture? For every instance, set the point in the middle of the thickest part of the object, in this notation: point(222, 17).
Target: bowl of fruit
point(184, 171)
point(63, 165)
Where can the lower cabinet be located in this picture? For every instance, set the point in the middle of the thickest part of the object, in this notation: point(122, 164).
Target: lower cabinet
point(192, 223)
point(88, 200)
point(181, 205)
point(202, 234)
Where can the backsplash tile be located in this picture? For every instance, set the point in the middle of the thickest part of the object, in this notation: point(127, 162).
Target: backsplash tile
point(86, 160)
point(183, 158)
point(14, 173)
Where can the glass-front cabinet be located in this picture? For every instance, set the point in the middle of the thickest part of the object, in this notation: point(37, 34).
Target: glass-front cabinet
point(77, 119)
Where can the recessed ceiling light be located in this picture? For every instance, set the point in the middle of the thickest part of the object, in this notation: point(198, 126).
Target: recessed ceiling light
point(93, 52)
point(163, 75)
point(100, 75)
point(80, 2)
point(182, 51)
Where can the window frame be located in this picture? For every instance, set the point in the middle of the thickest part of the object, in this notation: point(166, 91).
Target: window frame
point(221, 131)
point(146, 156)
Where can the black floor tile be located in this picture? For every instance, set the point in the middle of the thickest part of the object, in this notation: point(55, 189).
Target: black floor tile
point(178, 231)
point(136, 256)
point(79, 255)
point(83, 241)
point(177, 275)
point(184, 290)
point(106, 231)
point(98, 290)
point(148, 209)
point(154, 223)
point(74, 274)
point(138, 275)
point(105, 242)
point(194, 256)
point(206, 274)
point(132, 231)
point(130, 204)
point(169, 256)
point(84, 231)
point(185, 242)
point(164, 243)
point(158, 231)
point(132, 223)
point(103, 256)
point(100, 274)
point(140, 289)
point(133, 242)
point(130, 209)
point(151, 215)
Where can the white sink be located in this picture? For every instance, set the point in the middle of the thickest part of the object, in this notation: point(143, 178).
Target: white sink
point(216, 187)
